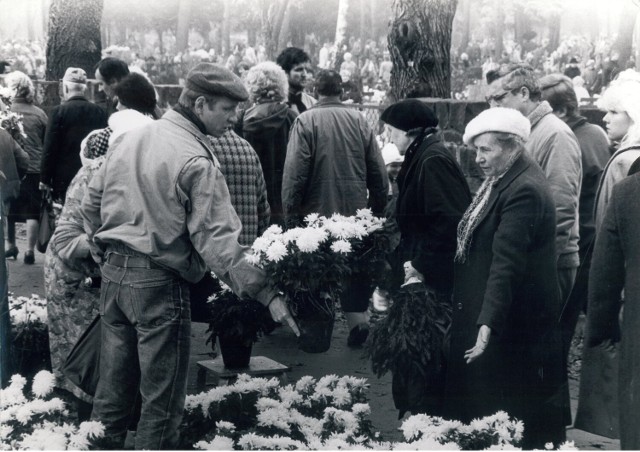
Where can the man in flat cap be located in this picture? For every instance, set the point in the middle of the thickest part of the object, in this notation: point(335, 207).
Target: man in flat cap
point(159, 213)
point(332, 163)
point(68, 124)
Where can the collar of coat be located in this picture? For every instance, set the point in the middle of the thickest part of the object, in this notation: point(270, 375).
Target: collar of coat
point(542, 110)
point(184, 123)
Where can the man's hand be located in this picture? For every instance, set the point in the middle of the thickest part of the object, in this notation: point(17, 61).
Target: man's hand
point(484, 333)
point(280, 313)
point(43, 187)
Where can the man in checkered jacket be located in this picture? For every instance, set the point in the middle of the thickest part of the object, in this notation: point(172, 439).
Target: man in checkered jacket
point(242, 171)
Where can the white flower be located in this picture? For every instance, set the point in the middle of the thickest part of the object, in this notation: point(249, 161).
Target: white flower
point(217, 443)
point(91, 429)
point(276, 251)
point(43, 383)
point(311, 219)
point(253, 259)
point(305, 383)
point(272, 231)
point(567, 445)
point(310, 239)
point(341, 246)
point(292, 235)
point(261, 244)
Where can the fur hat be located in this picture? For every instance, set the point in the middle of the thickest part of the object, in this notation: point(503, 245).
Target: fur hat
point(409, 114)
point(498, 119)
point(211, 79)
point(75, 75)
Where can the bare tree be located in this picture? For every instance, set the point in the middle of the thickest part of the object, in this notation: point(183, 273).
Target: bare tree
point(464, 7)
point(74, 36)
point(184, 18)
point(624, 42)
point(419, 44)
point(273, 13)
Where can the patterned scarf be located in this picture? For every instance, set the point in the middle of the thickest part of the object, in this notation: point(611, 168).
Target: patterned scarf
point(476, 210)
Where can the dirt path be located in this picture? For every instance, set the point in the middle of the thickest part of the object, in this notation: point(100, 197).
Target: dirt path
point(281, 346)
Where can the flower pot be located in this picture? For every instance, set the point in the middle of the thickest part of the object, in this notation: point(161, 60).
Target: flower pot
point(315, 334)
point(235, 353)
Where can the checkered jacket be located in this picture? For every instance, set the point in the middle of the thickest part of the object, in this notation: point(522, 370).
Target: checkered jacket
point(241, 168)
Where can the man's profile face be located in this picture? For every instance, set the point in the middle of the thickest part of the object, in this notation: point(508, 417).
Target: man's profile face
point(300, 76)
point(109, 90)
point(218, 116)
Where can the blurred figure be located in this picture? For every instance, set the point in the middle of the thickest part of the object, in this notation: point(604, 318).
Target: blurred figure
point(68, 124)
point(297, 65)
point(26, 208)
point(349, 65)
point(589, 75)
point(324, 60)
point(266, 125)
point(72, 277)
point(350, 91)
point(580, 90)
point(505, 351)
point(614, 283)
point(572, 70)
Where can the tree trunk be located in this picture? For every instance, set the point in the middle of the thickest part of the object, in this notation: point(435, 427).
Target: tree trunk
point(31, 31)
point(624, 42)
point(498, 34)
point(372, 17)
point(272, 18)
point(341, 24)
point(554, 32)
point(226, 30)
point(285, 30)
point(182, 32)
point(73, 37)
point(419, 44)
point(363, 23)
point(465, 9)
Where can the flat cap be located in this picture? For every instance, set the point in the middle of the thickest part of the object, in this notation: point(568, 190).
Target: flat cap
point(75, 75)
point(498, 119)
point(211, 79)
point(409, 114)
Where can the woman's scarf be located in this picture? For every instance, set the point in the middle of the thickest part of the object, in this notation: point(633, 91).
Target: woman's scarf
point(476, 210)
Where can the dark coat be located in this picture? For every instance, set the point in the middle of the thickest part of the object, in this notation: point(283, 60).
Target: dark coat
point(433, 195)
point(14, 162)
point(616, 266)
point(509, 282)
point(68, 124)
point(266, 127)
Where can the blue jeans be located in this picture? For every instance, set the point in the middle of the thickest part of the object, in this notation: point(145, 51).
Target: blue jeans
point(146, 328)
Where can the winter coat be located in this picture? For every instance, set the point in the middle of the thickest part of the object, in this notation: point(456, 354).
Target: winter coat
point(13, 160)
point(35, 125)
point(616, 265)
point(267, 127)
point(68, 124)
point(433, 196)
point(509, 283)
point(333, 165)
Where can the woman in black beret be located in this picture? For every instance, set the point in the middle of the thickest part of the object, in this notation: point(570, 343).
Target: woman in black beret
point(433, 196)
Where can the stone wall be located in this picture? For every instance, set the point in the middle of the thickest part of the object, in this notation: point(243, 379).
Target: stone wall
point(453, 115)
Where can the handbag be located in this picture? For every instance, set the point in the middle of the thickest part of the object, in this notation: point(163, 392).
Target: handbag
point(82, 366)
point(47, 222)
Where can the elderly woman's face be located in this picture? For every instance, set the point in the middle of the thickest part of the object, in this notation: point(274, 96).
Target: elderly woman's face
point(489, 155)
point(617, 123)
point(399, 138)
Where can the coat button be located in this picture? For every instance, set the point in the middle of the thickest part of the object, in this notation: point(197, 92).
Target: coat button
point(459, 306)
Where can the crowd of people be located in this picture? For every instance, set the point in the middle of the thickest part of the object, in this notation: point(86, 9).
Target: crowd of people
point(152, 202)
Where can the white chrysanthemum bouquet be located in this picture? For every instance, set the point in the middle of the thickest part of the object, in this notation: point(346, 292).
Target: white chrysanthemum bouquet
point(35, 420)
point(29, 334)
point(309, 264)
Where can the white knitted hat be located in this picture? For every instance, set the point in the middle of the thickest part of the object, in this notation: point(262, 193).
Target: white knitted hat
point(498, 119)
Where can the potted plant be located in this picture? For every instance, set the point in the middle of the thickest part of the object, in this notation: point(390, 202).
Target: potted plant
point(309, 265)
point(236, 323)
point(29, 335)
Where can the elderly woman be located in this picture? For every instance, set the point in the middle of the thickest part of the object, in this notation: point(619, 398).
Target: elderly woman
point(432, 196)
point(505, 351)
point(26, 208)
point(72, 278)
point(266, 126)
point(622, 104)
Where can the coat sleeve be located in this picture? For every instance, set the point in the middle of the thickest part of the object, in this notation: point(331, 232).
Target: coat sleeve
point(70, 238)
point(445, 197)
point(214, 228)
point(264, 210)
point(606, 280)
point(520, 216)
point(297, 167)
point(564, 173)
point(21, 157)
point(50, 148)
point(377, 179)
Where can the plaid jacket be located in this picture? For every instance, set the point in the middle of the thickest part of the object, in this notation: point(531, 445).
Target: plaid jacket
point(241, 168)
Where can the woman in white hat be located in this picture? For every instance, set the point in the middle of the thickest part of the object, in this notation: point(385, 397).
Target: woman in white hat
point(505, 351)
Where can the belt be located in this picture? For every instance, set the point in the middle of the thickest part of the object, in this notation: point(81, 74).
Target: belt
point(124, 261)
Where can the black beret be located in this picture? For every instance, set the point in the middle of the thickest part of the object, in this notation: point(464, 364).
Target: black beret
point(213, 80)
point(409, 114)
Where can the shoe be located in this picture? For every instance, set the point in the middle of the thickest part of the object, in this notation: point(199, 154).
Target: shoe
point(11, 252)
point(358, 335)
point(29, 258)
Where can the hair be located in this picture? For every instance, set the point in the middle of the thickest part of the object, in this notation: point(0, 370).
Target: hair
point(112, 69)
point(516, 76)
point(623, 94)
point(557, 89)
point(188, 98)
point(290, 57)
point(74, 87)
point(21, 86)
point(136, 92)
point(508, 141)
point(266, 81)
point(328, 83)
